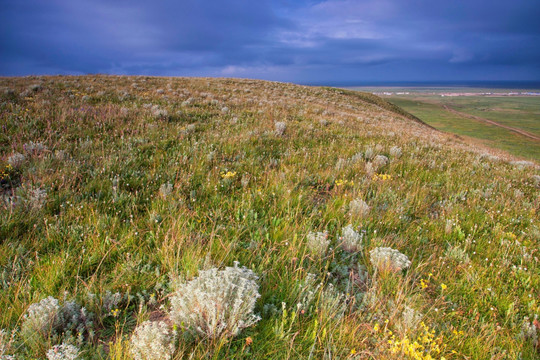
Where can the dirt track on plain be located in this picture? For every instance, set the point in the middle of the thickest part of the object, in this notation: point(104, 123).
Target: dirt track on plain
point(478, 118)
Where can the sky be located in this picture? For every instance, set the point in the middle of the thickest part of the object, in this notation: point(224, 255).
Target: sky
point(311, 42)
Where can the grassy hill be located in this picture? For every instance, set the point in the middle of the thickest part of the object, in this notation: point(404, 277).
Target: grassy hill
point(135, 199)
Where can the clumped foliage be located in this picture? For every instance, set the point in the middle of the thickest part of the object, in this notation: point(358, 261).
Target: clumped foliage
point(358, 208)
point(351, 240)
point(49, 320)
point(136, 195)
point(317, 242)
point(216, 303)
point(385, 258)
point(63, 352)
point(152, 340)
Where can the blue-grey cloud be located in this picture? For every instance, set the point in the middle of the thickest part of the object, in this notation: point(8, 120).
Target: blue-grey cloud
point(303, 41)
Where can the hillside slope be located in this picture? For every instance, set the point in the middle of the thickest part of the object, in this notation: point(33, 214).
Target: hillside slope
point(127, 199)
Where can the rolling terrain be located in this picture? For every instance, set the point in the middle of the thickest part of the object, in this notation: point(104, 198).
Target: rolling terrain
point(240, 219)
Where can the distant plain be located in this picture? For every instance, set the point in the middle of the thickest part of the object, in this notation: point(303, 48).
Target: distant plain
point(466, 115)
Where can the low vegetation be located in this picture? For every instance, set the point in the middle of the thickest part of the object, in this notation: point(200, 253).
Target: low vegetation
point(172, 218)
point(461, 116)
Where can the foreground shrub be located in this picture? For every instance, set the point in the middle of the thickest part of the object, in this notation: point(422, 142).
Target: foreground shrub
point(6, 343)
point(48, 320)
point(317, 242)
point(358, 208)
point(63, 352)
point(279, 128)
point(217, 303)
point(351, 241)
point(16, 160)
point(41, 319)
point(152, 340)
point(385, 258)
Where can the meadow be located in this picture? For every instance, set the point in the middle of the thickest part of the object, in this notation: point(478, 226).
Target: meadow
point(198, 218)
point(457, 115)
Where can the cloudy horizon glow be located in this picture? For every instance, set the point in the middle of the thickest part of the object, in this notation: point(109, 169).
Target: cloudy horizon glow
point(298, 41)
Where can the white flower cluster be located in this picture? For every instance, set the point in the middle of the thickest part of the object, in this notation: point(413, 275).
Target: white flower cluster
point(216, 303)
point(279, 128)
point(359, 208)
point(317, 242)
point(63, 352)
point(16, 160)
point(351, 241)
point(152, 340)
point(385, 258)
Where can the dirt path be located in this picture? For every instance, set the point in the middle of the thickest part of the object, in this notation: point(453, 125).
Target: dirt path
point(474, 117)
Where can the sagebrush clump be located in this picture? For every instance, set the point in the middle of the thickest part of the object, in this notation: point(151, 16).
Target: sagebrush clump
point(152, 340)
point(216, 303)
point(63, 352)
point(358, 208)
point(279, 128)
point(351, 241)
point(385, 258)
point(317, 242)
point(48, 319)
point(16, 160)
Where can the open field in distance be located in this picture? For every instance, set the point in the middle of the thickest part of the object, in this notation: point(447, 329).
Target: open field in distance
point(464, 111)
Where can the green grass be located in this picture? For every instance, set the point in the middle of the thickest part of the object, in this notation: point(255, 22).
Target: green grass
point(243, 193)
point(521, 113)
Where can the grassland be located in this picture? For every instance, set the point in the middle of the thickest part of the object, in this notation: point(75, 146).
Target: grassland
point(115, 190)
point(457, 115)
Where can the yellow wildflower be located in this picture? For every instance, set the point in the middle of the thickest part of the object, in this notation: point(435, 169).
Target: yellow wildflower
point(228, 175)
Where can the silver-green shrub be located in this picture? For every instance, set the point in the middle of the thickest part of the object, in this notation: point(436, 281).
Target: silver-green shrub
point(380, 161)
point(317, 242)
point(351, 241)
point(152, 340)
point(385, 258)
point(41, 317)
point(16, 160)
point(33, 148)
point(528, 330)
point(48, 319)
point(279, 128)
point(216, 303)
point(395, 152)
point(63, 352)
point(6, 344)
point(359, 208)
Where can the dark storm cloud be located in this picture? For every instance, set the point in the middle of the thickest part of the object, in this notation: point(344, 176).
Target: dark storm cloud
point(305, 41)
